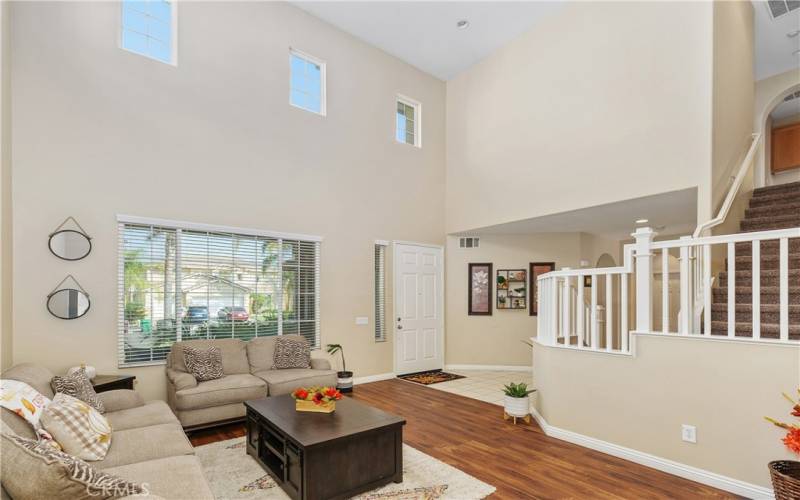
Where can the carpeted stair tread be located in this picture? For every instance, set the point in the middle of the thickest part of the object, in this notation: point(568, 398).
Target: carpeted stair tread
point(745, 329)
point(772, 199)
point(778, 188)
point(767, 261)
point(790, 207)
point(744, 295)
point(770, 223)
point(768, 247)
point(770, 313)
point(769, 277)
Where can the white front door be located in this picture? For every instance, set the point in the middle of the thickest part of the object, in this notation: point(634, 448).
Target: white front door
point(418, 325)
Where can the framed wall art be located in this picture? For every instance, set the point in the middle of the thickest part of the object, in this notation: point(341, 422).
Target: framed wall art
point(512, 289)
point(536, 270)
point(480, 290)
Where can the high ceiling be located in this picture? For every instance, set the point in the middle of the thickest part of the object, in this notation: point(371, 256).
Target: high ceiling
point(424, 34)
point(772, 45)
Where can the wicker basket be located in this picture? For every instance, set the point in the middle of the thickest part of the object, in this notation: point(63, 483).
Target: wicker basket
point(785, 479)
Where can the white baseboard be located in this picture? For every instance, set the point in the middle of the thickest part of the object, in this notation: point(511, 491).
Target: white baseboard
point(373, 378)
point(493, 368)
point(703, 476)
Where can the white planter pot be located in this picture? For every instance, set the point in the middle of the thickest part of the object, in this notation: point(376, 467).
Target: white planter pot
point(517, 407)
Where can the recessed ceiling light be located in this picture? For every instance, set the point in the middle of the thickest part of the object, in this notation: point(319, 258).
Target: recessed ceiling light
point(642, 221)
point(793, 34)
point(462, 24)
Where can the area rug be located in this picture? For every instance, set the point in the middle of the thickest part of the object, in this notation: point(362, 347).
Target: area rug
point(428, 378)
point(233, 474)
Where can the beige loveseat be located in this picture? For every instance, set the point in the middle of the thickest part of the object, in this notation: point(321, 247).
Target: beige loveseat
point(248, 375)
point(148, 444)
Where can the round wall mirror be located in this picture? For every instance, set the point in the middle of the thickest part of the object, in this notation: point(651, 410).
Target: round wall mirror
point(68, 303)
point(69, 244)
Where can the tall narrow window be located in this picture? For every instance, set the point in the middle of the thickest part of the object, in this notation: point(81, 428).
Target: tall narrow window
point(380, 292)
point(409, 119)
point(307, 82)
point(183, 283)
point(148, 29)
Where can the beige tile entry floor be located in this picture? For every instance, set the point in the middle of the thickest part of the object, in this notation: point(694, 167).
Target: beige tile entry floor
point(484, 385)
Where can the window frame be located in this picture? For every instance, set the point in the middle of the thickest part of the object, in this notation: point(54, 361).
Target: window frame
point(180, 226)
point(173, 34)
point(400, 98)
point(323, 81)
point(379, 295)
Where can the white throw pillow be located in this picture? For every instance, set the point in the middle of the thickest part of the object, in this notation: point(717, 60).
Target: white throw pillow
point(80, 429)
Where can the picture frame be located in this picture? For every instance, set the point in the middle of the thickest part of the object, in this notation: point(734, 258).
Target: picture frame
point(587, 281)
point(479, 290)
point(536, 269)
point(512, 289)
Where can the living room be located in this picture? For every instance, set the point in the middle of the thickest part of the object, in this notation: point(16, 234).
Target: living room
point(347, 194)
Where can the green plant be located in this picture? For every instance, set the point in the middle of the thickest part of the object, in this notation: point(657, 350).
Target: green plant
point(134, 311)
point(333, 349)
point(517, 390)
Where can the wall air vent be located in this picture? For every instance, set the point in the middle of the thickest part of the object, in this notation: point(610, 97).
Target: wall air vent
point(778, 8)
point(468, 242)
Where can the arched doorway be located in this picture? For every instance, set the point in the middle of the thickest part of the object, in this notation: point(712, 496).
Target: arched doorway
point(778, 121)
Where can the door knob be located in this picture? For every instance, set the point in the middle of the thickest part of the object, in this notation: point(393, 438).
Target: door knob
point(398, 319)
point(399, 327)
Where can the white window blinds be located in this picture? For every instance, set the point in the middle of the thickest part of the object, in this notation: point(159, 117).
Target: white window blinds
point(182, 283)
point(380, 292)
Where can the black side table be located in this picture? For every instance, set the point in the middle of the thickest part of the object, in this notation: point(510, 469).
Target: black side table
point(103, 383)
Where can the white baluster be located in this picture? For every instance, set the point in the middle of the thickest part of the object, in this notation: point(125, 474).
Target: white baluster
point(756, 287)
point(644, 279)
point(566, 326)
point(707, 289)
point(784, 288)
point(595, 341)
point(553, 304)
point(609, 313)
point(731, 290)
point(623, 311)
point(685, 298)
point(665, 290)
point(580, 321)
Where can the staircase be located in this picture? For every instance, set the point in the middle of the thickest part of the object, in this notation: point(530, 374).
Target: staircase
point(773, 207)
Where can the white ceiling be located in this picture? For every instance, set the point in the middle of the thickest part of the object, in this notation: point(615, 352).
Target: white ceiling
point(424, 34)
point(673, 213)
point(773, 51)
point(786, 109)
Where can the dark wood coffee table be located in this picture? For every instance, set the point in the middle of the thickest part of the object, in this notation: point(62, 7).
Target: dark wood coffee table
point(325, 455)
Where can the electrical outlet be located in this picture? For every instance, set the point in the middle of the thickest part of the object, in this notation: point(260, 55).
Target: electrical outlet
point(362, 320)
point(689, 433)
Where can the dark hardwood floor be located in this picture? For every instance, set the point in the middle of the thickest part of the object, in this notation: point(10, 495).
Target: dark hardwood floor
point(519, 460)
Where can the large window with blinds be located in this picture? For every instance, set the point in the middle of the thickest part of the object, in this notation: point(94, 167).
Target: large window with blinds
point(188, 281)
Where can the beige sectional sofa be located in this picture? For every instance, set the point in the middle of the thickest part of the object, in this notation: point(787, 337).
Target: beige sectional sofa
point(248, 375)
point(148, 444)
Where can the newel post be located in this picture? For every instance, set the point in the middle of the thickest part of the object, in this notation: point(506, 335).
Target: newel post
point(644, 278)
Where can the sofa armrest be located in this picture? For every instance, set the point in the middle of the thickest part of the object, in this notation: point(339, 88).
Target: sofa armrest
point(320, 364)
point(120, 399)
point(181, 380)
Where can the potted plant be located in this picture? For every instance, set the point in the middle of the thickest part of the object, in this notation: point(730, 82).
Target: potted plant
point(344, 378)
point(517, 401)
point(786, 473)
point(316, 399)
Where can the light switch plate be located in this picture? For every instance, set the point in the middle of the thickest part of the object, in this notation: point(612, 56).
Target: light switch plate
point(362, 320)
point(689, 433)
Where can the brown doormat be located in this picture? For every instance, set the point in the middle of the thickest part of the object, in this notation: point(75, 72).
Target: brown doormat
point(428, 378)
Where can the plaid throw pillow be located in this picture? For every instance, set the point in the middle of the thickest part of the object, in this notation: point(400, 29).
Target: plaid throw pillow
point(77, 427)
point(78, 386)
point(56, 474)
point(204, 364)
point(291, 352)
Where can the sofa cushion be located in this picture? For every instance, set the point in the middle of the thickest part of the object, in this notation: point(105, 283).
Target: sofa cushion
point(151, 413)
point(34, 375)
point(225, 390)
point(171, 477)
point(260, 352)
point(78, 386)
point(120, 399)
point(146, 443)
point(200, 416)
point(285, 381)
point(234, 354)
point(32, 471)
point(80, 429)
point(17, 424)
point(203, 364)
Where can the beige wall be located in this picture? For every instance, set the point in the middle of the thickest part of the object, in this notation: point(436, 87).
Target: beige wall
point(6, 337)
point(621, 90)
point(99, 131)
point(640, 402)
point(497, 339)
point(734, 92)
point(769, 92)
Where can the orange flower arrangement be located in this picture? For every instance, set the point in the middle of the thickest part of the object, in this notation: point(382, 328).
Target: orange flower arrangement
point(792, 438)
point(319, 395)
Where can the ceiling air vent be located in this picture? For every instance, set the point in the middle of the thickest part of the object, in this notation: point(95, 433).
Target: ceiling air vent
point(468, 242)
point(777, 8)
point(789, 97)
